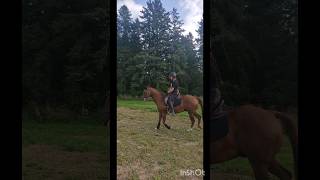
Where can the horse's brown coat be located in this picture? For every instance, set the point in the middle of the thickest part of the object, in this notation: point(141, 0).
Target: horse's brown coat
point(188, 103)
point(257, 134)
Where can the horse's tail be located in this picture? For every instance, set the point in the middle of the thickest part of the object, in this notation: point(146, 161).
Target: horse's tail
point(291, 131)
point(200, 102)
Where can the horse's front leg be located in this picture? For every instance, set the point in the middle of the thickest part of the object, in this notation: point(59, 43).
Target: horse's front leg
point(164, 121)
point(191, 116)
point(160, 117)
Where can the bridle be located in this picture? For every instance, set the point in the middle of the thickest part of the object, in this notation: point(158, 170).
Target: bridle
point(148, 94)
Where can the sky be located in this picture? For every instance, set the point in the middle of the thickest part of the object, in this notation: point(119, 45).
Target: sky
point(190, 11)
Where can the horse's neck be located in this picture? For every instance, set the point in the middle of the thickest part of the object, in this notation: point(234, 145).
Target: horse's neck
point(157, 97)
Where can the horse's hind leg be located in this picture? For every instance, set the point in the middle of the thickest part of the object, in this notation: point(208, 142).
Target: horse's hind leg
point(280, 171)
point(199, 118)
point(191, 116)
point(160, 117)
point(164, 121)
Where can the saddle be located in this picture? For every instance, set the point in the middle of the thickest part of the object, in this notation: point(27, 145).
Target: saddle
point(219, 126)
point(176, 102)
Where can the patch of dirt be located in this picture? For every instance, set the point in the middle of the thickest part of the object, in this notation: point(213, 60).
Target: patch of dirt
point(51, 162)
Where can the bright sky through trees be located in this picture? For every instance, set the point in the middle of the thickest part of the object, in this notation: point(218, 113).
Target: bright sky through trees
point(190, 11)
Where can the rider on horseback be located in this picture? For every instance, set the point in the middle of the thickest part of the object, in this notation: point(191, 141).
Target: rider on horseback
point(173, 91)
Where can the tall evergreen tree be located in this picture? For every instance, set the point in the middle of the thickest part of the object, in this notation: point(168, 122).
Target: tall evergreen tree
point(135, 40)
point(200, 39)
point(255, 48)
point(156, 47)
point(175, 38)
point(64, 54)
point(155, 27)
point(124, 25)
point(176, 26)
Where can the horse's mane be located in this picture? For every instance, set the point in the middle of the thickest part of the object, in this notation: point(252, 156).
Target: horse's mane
point(163, 95)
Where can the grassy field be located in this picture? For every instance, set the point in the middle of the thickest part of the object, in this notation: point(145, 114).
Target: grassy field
point(77, 150)
point(146, 153)
point(144, 106)
point(63, 151)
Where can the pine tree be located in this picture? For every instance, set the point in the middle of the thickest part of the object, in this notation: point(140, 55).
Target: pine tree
point(176, 26)
point(64, 54)
point(157, 47)
point(135, 40)
point(124, 25)
point(175, 38)
point(200, 39)
point(155, 27)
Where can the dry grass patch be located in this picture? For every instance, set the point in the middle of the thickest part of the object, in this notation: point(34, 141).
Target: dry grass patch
point(52, 162)
point(147, 153)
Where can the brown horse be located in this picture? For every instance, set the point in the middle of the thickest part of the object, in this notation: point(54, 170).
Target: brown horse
point(257, 134)
point(188, 103)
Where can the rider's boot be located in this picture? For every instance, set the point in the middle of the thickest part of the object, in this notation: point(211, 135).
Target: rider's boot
point(172, 108)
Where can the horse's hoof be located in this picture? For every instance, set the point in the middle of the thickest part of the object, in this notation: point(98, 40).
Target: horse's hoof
point(189, 130)
point(167, 126)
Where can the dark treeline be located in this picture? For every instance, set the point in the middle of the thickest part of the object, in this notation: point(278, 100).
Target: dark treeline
point(150, 48)
point(255, 47)
point(65, 55)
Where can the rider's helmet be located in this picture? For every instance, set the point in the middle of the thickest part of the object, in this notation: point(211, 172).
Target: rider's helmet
point(173, 74)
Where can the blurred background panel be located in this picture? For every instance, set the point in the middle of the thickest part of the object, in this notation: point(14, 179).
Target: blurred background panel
point(65, 79)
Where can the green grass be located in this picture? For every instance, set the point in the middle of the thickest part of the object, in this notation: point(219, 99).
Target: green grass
point(137, 104)
point(146, 153)
point(148, 105)
point(139, 132)
point(62, 150)
point(71, 137)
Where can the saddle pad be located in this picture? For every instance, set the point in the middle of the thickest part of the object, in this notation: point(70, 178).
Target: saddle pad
point(219, 126)
point(176, 102)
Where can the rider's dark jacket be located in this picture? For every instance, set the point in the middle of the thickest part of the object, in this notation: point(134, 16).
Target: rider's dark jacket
point(175, 85)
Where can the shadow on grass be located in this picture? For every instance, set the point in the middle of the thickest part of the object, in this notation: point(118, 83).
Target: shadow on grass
point(52, 150)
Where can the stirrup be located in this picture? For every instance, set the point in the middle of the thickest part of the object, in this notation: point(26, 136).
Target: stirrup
point(172, 112)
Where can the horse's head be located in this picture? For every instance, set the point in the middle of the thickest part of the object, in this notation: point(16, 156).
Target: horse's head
point(146, 94)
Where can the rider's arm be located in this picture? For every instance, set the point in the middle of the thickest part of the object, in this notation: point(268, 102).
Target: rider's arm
point(170, 88)
point(175, 86)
